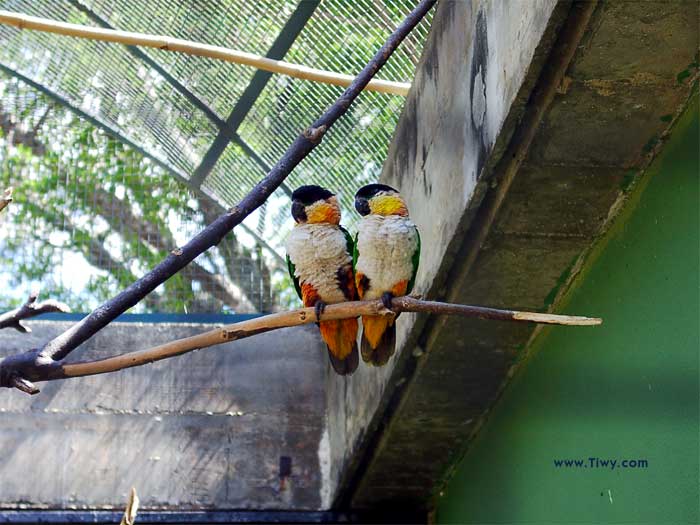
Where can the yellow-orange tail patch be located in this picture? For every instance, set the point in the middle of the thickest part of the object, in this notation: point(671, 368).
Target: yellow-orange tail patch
point(340, 337)
point(373, 328)
point(378, 339)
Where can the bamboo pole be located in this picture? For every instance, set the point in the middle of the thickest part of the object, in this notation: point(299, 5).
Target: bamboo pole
point(189, 47)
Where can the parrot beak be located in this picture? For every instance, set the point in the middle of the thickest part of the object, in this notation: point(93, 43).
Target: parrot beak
point(298, 211)
point(362, 206)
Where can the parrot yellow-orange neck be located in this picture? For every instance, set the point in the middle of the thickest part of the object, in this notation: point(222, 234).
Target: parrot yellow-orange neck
point(391, 204)
point(323, 212)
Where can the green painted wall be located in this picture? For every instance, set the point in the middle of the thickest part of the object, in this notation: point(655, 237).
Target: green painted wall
point(628, 389)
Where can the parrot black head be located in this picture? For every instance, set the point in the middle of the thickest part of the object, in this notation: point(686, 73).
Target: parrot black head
point(379, 199)
point(314, 204)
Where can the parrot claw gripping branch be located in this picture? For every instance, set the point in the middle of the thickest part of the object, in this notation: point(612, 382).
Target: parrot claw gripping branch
point(47, 363)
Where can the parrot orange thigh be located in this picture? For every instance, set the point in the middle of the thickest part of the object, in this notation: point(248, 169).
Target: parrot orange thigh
point(400, 288)
point(309, 295)
point(361, 283)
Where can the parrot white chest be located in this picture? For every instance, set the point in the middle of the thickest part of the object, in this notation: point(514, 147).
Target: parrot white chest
point(386, 245)
point(318, 252)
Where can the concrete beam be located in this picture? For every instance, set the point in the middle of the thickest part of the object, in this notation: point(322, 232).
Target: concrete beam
point(202, 431)
point(632, 73)
point(478, 68)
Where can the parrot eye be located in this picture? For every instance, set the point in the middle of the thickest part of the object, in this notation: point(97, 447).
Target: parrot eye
point(362, 206)
point(298, 211)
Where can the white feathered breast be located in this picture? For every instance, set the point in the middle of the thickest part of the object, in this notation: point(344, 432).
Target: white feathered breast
point(318, 251)
point(386, 245)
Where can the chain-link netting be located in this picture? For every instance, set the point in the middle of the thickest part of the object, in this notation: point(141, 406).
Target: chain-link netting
point(90, 215)
point(214, 125)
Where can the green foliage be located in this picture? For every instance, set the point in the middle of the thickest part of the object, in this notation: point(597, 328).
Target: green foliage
point(90, 215)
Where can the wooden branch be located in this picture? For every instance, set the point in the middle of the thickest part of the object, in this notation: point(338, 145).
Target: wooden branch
point(51, 371)
point(13, 318)
point(6, 199)
point(189, 47)
point(23, 385)
point(28, 364)
point(132, 507)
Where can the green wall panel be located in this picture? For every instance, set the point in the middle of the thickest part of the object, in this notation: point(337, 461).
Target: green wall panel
point(626, 390)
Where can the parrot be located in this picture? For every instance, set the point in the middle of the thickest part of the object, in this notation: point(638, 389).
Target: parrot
point(319, 259)
point(385, 260)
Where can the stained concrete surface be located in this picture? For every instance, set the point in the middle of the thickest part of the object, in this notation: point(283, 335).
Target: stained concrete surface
point(204, 430)
point(475, 74)
point(633, 71)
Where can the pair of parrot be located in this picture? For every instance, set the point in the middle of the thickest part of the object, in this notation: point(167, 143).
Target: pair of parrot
point(329, 266)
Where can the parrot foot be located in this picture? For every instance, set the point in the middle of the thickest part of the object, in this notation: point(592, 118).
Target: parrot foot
point(387, 297)
point(319, 308)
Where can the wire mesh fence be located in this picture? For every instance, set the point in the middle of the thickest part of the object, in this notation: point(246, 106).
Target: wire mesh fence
point(172, 119)
point(90, 215)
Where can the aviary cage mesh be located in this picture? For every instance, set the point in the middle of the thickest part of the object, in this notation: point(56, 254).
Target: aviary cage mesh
point(118, 154)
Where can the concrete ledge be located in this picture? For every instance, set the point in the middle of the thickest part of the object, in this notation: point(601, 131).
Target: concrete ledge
point(202, 431)
point(631, 74)
point(478, 68)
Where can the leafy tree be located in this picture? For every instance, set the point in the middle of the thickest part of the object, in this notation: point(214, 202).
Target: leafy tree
point(91, 215)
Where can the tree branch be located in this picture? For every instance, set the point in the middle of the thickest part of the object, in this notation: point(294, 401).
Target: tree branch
point(236, 259)
point(118, 215)
point(16, 133)
point(43, 371)
point(13, 318)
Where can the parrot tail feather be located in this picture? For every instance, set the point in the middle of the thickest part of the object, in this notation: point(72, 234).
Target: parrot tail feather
point(347, 366)
point(378, 339)
point(340, 337)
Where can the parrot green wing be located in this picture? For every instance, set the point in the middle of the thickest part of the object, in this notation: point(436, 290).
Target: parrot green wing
point(292, 269)
point(355, 254)
point(350, 243)
point(415, 260)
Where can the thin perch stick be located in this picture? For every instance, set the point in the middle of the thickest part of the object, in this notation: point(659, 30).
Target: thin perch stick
point(189, 47)
point(132, 507)
point(301, 316)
